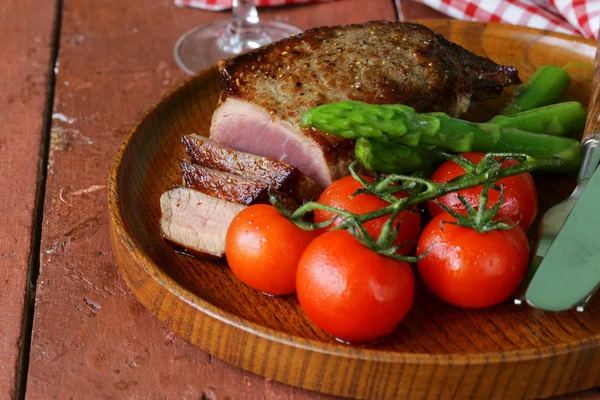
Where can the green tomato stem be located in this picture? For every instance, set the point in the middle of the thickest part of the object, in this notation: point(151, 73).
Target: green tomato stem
point(433, 190)
point(487, 172)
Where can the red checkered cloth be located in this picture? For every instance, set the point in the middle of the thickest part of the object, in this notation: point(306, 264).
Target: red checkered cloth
point(219, 5)
point(576, 17)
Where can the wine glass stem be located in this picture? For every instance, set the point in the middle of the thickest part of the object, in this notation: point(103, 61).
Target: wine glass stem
point(243, 32)
point(244, 18)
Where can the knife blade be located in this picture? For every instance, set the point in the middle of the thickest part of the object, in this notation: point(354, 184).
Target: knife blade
point(570, 271)
point(565, 270)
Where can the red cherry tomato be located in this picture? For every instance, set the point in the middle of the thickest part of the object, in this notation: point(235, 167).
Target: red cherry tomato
point(339, 195)
point(263, 248)
point(520, 194)
point(471, 269)
point(350, 291)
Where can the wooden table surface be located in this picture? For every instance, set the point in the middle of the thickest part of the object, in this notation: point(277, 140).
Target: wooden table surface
point(76, 75)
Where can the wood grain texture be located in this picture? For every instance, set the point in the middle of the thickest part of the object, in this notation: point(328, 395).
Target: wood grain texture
point(26, 29)
point(92, 338)
point(438, 352)
point(592, 125)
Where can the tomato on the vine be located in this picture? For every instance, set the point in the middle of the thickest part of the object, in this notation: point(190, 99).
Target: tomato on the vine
point(339, 195)
point(350, 291)
point(520, 202)
point(263, 248)
point(471, 269)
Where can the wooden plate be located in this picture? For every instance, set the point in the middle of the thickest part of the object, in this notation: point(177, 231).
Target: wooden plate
point(439, 351)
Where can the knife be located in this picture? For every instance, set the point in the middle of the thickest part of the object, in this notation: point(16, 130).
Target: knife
point(565, 269)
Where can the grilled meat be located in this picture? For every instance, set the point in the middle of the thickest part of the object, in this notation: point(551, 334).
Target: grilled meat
point(195, 221)
point(223, 185)
point(266, 92)
point(232, 187)
point(254, 173)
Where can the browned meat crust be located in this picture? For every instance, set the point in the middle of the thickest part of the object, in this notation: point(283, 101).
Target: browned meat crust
point(223, 185)
point(250, 173)
point(377, 62)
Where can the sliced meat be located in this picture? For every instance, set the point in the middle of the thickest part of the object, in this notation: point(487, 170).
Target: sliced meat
point(231, 187)
point(264, 171)
point(195, 221)
point(266, 92)
point(223, 185)
point(245, 126)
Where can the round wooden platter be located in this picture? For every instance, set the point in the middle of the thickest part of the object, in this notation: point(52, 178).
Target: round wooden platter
point(439, 351)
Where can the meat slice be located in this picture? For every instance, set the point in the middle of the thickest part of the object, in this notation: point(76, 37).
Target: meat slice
point(223, 185)
point(195, 221)
point(231, 187)
point(264, 171)
point(266, 92)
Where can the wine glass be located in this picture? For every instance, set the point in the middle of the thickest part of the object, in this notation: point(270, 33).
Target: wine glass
point(203, 46)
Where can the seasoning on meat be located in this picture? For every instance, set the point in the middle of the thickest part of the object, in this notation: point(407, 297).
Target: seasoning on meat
point(266, 92)
point(262, 172)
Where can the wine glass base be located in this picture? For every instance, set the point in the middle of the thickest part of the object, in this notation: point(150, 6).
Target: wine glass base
point(201, 47)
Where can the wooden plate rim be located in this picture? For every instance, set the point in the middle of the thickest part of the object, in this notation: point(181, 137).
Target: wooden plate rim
point(341, 350)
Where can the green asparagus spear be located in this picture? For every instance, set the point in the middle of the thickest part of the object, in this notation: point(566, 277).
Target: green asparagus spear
point(490, 138)
point(390, 133)
point(544, 87)
point(562, 119)
point(385, 156)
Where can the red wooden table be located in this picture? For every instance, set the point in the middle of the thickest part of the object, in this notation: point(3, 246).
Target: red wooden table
point(76, 75)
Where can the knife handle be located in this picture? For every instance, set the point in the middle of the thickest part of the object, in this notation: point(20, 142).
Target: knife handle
point(592, 124)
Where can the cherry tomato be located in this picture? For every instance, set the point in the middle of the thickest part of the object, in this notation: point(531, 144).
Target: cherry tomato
point(263, 248)
point(350, 291)
point(339, 195)
point(520, 194)
point(471, 269)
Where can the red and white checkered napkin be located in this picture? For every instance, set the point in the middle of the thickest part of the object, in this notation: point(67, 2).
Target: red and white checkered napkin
point(577, 17)
point(218, 5)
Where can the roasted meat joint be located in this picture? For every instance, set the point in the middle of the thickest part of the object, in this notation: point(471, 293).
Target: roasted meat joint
point(257, 140)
